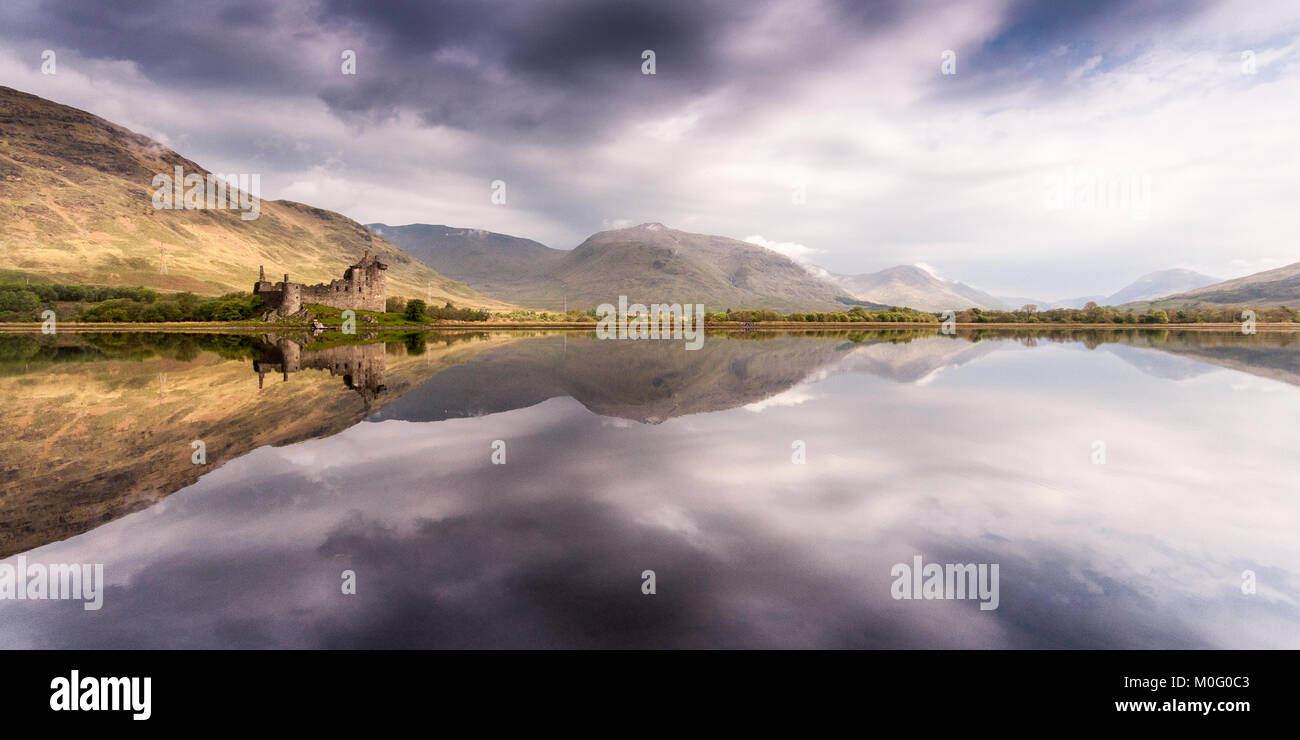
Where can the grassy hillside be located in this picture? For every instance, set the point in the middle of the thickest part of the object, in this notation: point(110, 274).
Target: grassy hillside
point(76, 207)
point(495, 264)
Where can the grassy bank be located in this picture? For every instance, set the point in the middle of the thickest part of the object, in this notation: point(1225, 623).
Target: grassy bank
point(262, 327)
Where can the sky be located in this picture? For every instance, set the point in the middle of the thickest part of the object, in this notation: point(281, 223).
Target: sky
point(975, 138)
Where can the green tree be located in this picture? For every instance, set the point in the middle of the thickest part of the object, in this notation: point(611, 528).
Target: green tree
point(415, 309)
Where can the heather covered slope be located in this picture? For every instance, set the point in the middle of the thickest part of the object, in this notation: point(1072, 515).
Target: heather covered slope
point(76, 207)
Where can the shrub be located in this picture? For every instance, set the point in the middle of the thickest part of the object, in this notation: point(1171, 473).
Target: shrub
point(415, 310)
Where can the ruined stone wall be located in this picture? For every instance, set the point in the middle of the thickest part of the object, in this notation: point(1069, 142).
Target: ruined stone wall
point(269, 293)
point(363, 288)
point(283, 298)
point(357, 295)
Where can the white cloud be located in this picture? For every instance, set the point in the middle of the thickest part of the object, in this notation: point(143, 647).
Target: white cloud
point(933, 272)
point(795, 251)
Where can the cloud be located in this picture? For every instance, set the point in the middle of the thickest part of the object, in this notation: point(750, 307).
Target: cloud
point(933, 272)
point(797, 252)
point(901, 164)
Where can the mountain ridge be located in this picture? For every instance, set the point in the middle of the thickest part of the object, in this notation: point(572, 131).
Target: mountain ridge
point(648, 263)
point(915, 287)
point(76, 206)
point(1279, 286)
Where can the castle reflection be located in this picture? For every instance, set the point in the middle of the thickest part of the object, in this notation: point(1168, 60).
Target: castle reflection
point(361, 366)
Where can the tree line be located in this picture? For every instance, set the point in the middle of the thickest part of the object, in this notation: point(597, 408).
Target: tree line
point(97, 303)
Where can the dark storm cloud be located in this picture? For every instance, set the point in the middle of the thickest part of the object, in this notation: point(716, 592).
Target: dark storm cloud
point(549, 69)
point(201, 45)
point(554, 70)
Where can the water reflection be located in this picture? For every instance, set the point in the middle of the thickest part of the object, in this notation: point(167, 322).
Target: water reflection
point(624, 456)
point(361, 366)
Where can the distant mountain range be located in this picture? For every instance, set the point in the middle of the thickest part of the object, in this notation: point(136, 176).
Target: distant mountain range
point(76, 206)
point(908, 285)
point(1278, 287)
point(647, 263)
point(1150, 285)
point(652, 262)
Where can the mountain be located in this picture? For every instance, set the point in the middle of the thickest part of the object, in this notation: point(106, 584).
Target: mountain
point(1161, 283)
point(1278, 287)
point(496, 264)
point(650, 263)
point(1151, 285)
point(908, 285)
point(76, 206)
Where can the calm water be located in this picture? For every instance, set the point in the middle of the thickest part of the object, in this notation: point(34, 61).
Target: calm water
point(625, 456)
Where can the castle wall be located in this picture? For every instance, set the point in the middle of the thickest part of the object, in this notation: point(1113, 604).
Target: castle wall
point(292, 298)
point(355, 294)
point(363, 288)
point(269, 294)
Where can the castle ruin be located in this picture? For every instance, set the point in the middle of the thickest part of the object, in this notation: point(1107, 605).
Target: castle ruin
point(362, 288)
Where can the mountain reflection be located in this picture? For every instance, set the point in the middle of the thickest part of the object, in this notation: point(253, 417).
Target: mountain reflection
point(101, 424)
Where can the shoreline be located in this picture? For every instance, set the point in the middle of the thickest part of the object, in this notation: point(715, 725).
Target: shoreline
point(228, 328)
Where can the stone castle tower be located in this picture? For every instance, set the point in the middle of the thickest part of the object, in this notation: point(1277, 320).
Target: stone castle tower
point(362, 288)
